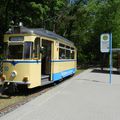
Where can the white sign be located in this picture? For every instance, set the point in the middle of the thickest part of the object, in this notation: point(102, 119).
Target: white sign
point(104, 42)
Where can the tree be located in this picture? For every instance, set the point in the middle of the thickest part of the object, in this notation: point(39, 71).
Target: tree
point(82, 21)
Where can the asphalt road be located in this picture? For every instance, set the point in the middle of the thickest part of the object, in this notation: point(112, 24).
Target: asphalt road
point(87, 96)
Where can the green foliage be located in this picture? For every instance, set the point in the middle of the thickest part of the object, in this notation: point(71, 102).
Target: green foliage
point(82, 22)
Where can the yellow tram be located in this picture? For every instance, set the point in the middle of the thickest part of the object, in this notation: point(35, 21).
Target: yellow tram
point(36, 57)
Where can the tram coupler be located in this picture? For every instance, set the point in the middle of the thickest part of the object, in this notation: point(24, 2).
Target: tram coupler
point(9, 88)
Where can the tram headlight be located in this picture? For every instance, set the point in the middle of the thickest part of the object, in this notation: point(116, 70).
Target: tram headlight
point(14, 74)
point(2, 78)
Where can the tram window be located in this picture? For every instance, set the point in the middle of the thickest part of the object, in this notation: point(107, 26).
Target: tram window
point(61, 53)
point(67, 47)
point(61, 45)
point(72, 48)
point(37, 48)
point(27, 50)
point(72, 54)
point(67, 54)
point(15, 52)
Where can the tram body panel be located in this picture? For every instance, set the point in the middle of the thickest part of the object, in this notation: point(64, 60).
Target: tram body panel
point(7, 69)
point(30, 71)
point(63, 69)
point(35, 75)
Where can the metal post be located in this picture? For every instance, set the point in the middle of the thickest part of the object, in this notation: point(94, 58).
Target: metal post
point(110, 81)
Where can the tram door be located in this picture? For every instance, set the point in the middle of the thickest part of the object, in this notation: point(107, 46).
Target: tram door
point(46, 57)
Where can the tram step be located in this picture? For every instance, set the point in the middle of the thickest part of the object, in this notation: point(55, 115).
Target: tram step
point(45, 77)
point(46, 82)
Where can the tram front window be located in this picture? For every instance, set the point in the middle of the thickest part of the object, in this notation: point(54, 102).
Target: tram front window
point(28, 48)
point(20, 51)
point(15, 51)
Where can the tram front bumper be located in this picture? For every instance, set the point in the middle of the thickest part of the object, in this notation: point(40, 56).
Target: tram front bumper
point(16, 82)
point(4, 80)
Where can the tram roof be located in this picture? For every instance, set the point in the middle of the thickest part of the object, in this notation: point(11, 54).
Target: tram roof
point(45, 33)
point(41, 32)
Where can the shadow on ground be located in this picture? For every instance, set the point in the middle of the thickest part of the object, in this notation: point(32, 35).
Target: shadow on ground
point(104, 71)
point(90, 80)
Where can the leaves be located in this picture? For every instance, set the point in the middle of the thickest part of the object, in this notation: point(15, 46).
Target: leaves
point(82, 21)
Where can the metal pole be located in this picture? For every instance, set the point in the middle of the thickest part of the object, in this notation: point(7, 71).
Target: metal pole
point(110, 81)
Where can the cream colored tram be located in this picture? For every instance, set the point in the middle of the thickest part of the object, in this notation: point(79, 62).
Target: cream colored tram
point(36, 57)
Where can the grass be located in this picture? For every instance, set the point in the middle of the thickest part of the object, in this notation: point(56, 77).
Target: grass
point(79, 71)
point(6, 100)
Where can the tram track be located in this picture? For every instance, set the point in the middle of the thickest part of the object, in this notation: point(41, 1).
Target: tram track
point(27, 96)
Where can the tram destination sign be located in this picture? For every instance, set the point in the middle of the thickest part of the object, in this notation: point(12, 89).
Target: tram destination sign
point(16, 38)
point(104, 42)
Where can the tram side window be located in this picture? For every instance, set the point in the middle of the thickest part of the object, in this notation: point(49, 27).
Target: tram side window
point(72, 54)
point(37, 48)
point(61, 53)
point(67, 54)
point(61, 45)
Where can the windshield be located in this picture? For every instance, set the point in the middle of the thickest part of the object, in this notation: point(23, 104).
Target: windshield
point(28, 50)
point(15, 51)
point(19, 51)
